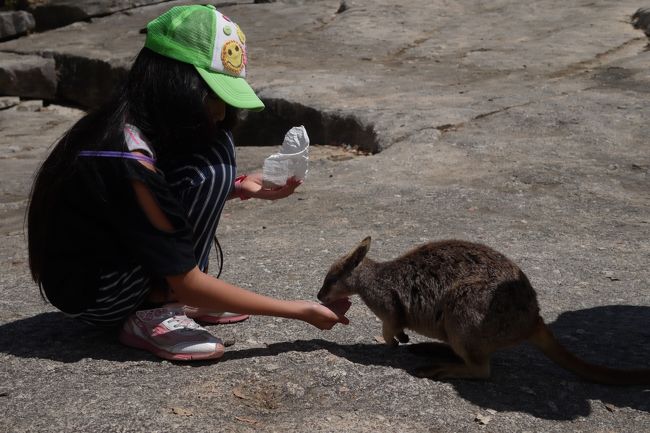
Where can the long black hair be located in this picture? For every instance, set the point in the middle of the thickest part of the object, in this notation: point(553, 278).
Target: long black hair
point(164, 98)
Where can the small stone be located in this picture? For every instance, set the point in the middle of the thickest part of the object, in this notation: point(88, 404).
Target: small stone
point(482, 419)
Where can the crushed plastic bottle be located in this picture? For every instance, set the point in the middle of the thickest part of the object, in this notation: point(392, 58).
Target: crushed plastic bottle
point(291, 161)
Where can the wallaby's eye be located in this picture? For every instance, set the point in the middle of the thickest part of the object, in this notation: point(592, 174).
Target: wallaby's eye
point(330, 280)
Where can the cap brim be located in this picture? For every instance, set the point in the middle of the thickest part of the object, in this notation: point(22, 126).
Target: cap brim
point(234, 91)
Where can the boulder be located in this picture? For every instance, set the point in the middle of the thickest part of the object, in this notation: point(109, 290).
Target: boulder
point(87, 68)
point(15, 23)
point(85, 81)
point(28, 76)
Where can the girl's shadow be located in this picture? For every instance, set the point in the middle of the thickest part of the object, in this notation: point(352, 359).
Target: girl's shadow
point(56, 337)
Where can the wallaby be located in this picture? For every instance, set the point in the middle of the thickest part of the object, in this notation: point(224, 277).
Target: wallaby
point(465, 294)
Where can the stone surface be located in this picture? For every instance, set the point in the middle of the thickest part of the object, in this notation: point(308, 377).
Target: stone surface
point(15, 23)
point(522, 125)
point(51, 14)
point(29, 76)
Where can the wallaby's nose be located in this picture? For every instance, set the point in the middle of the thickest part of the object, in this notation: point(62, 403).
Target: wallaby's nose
point(321, 296)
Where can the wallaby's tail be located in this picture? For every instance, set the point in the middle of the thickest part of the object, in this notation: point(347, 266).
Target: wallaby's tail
point(544, 339)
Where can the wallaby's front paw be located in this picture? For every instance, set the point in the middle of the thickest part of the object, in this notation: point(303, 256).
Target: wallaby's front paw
point(402, 337)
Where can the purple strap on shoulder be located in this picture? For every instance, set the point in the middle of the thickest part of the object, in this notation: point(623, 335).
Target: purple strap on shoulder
point(117, 154)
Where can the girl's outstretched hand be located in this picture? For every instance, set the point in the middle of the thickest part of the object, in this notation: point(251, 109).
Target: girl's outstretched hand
point(325, 316)
point(252, 187)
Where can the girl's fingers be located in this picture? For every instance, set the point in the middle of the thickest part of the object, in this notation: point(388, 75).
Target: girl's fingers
point(282, 192)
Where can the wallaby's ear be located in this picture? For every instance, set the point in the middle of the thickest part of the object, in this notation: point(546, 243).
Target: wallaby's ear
point(354, 258)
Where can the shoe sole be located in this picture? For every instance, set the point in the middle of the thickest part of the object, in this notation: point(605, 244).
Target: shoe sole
point(138, 343)
point(222, 320)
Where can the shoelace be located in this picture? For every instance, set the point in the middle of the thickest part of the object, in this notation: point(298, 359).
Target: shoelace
point(176, 319)
point(182, 321)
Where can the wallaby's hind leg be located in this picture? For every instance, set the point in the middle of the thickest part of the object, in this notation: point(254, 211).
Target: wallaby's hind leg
point(474, 363)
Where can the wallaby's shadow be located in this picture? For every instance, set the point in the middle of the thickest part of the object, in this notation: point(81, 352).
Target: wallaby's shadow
point(523, 379)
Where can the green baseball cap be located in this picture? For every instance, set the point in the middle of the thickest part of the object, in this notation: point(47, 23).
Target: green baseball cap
point(216, 46)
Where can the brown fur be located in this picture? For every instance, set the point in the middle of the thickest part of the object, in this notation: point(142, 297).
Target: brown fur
point(465, 294)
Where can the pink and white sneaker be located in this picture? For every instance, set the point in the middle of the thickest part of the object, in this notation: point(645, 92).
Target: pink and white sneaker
point(168, 333)
point(212, 317)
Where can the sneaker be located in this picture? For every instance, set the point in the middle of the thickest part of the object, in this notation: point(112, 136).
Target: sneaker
point(170, 334)
point(215, 318)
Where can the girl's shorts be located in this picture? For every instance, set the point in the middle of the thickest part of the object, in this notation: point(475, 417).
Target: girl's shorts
point(120, 293)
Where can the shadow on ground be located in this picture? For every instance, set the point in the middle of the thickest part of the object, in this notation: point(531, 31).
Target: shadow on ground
point(58, 338)
point(523, 380)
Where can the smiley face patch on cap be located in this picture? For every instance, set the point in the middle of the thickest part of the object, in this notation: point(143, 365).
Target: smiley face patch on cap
point(229, 48)
point(233, 57)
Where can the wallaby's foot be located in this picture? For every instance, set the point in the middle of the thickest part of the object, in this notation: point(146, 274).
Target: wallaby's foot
point(461, 370)
point(402, 337)
point(393, 336)
point(392, 342)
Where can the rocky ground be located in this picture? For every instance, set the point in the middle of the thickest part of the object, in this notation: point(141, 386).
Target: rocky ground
point(520, 125)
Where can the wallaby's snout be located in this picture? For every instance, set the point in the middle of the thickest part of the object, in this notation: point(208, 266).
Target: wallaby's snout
point(322, 295)
point(338, 282)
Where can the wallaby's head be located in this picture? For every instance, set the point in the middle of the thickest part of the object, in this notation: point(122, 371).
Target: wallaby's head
point(337, 284)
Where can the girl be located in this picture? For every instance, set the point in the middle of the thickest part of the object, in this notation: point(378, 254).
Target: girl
point(123, 210)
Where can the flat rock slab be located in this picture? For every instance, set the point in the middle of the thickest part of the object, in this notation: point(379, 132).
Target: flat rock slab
point(435, 61)
point(522, 126)
point(50, 14)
